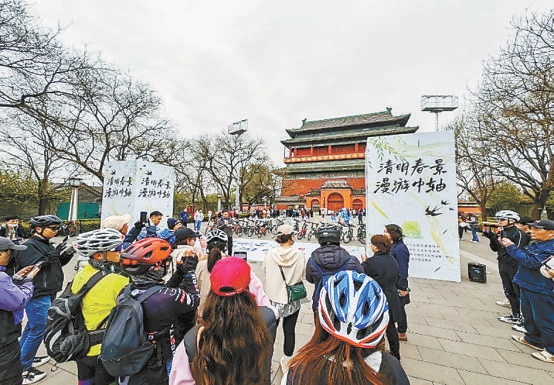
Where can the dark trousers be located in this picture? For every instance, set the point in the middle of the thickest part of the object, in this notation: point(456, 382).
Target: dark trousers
point(229, 245)
point(10, 367)
point(289, 325)
point(511, 290)
point(538, 310)
point(392, 337)
point(403, 319)
point(91, 368)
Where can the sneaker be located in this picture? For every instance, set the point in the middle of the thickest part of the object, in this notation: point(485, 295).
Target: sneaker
point(402, 337)
point(509, 319)
point(543, 355)
point(504, 303)
point(519, 328)
point(39, 361)
point(32, 375)
point(522, 340)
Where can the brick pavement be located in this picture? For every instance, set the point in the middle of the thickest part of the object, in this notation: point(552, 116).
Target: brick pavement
point(454, 336)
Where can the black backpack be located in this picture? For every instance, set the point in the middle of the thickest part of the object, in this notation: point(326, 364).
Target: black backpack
point(66, 337)
point(126, 348)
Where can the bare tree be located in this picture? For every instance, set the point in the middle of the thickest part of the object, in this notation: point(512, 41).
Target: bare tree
point(516, 106)
point(475, 173)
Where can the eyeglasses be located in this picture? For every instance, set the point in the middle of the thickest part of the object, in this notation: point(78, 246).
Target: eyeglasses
point(53, 228)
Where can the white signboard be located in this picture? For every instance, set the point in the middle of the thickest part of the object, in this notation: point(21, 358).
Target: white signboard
point(132, 186)
point(257, 249)
point(411, 181)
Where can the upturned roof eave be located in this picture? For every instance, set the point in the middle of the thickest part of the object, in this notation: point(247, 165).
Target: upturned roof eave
point(344, 138)
point(348, 122)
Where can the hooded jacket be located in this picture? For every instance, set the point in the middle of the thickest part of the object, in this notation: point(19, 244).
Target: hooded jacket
point(292, 260)
point(330, 259)
point(12, 302)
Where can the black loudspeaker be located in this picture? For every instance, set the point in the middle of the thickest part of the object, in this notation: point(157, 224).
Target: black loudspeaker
point(477, 272)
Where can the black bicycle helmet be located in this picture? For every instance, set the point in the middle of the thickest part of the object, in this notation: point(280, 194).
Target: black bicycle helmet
point(328, 234)
point(44, 220)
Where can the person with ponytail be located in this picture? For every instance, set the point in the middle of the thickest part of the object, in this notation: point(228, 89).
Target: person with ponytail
point(217, 250)
point(234, 342)
point(347, 346)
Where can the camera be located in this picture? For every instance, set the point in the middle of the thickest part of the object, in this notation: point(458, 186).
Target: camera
point(143, 217)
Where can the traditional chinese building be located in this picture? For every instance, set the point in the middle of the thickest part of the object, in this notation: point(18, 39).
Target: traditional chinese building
point(325, 160)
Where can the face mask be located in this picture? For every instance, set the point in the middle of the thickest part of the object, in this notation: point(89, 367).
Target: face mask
point(12, 225)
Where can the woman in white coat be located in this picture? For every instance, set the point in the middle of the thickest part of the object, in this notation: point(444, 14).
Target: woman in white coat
point(292, 262)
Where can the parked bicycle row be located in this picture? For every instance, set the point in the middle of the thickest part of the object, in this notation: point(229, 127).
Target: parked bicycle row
point(253, 227)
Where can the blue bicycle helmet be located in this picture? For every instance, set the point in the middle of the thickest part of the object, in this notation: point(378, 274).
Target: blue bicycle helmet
point(353, 308)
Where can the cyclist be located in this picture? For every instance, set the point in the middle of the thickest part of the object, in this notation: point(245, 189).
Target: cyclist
point(47, 283)
point(329, 258)
point(100, 299)
point(347, 346)
point(147, 262)
point(507, 265)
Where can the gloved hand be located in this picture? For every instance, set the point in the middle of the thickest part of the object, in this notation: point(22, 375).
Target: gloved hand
point(188, 264)
point(139, 225)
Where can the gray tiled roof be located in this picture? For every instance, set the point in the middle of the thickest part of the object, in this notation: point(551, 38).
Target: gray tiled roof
point(346, 137)
point(371, 119)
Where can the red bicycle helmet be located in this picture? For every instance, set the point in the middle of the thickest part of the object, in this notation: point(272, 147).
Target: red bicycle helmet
point(143, 254)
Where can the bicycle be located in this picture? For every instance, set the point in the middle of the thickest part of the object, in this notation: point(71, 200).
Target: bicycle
point(348, 234)
point(303, 231)
point(361, 234)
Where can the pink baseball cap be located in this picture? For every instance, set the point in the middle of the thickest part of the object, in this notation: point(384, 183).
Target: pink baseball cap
point(230, 276)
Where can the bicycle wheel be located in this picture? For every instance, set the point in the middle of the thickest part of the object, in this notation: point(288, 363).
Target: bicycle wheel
point(347, 236)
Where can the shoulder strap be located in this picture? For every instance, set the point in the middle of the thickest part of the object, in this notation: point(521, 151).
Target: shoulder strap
point(90, 283)
point(317, 267)
point(143, 296)
point(283, 275)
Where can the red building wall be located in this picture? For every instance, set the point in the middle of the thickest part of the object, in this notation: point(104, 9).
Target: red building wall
point(303, 186)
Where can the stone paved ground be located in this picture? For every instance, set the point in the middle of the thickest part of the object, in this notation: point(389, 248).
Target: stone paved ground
point(454, 335)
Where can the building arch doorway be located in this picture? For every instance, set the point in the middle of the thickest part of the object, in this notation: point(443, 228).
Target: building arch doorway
point(335, 202)
point(357, 204)
point(315, 204)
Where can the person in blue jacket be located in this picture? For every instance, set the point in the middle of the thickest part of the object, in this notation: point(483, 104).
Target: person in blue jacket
point(15, 293)
point(537, 291)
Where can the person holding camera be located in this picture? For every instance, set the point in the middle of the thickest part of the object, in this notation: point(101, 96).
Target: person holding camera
point(16, 293)
point(47, 283)
point(507, 265)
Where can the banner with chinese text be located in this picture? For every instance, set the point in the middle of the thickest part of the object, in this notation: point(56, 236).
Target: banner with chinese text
point(411, 181)
point(132, 186)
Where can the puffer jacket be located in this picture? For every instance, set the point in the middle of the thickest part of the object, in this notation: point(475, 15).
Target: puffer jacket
point(528, 274)
point(330, 259)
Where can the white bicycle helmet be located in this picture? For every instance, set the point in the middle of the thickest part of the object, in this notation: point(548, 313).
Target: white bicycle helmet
point(353, 308)
point(216, 238)
point(507, 214)
point(91, 242)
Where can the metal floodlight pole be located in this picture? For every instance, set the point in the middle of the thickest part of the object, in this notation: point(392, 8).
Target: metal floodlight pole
point(75, 183)
point(238, 128)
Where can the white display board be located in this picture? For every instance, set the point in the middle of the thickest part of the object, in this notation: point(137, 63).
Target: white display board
point(132, 186)
point(411, 182)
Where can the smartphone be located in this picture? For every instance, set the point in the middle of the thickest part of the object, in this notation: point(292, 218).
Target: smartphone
point(40, 263)
point(241, 254)
point(549, 263)
point(143, 216)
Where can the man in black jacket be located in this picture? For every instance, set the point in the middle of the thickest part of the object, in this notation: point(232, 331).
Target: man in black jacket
point(47, 283)
point(328, 259)
point(507, 266)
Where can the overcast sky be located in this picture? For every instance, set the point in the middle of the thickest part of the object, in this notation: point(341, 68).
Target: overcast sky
point(277, 62)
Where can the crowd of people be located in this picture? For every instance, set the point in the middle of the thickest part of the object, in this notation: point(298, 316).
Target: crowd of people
point(209, 318)
point(524, 248)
